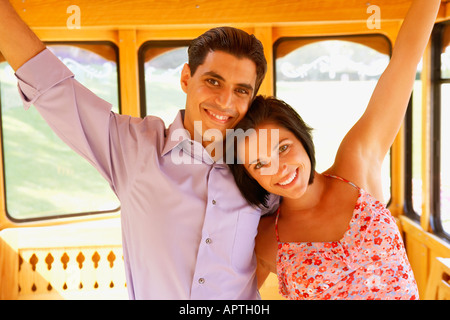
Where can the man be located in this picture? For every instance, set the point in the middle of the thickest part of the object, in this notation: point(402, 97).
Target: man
point(187, 231)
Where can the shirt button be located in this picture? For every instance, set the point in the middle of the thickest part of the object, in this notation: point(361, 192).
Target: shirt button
point(208, 240)
point(214, 202)
point(201, 280)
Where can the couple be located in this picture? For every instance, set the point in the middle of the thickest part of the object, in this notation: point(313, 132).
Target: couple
point(188, 230)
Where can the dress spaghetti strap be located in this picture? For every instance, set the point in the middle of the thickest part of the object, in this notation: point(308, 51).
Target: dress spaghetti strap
point(276, 224)
point(342, 179)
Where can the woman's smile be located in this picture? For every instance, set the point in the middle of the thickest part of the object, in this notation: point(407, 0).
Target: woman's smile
point(289, 180)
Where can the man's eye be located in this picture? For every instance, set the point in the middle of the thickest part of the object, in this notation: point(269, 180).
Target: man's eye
point(213, 82)
point(242, 91)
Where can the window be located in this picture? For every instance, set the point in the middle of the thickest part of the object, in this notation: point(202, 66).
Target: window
point(440, 130)
point(44, 178)
point(161, 63)
point(329, 81)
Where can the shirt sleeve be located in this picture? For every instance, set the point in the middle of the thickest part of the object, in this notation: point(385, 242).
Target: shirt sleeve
point(80, 118)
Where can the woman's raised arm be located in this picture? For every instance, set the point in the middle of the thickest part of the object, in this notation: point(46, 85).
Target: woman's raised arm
point(367, 143)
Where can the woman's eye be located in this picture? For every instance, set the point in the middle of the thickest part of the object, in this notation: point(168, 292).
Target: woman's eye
point(259, 165)
point(283, 148)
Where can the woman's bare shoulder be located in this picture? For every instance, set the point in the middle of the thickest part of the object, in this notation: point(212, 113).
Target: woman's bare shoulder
point(266, 240)
point(267, 225)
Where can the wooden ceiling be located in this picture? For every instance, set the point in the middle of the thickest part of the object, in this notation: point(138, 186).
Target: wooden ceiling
point(122, 13)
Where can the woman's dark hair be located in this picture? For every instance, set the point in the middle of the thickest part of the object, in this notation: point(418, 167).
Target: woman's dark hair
point(230, 40)
point(264, 110)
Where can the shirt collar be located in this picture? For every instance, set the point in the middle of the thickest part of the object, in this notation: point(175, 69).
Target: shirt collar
point(175, 134)
point(178, 137)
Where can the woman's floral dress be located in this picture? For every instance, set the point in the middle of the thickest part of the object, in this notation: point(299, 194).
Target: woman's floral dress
point(369, 262)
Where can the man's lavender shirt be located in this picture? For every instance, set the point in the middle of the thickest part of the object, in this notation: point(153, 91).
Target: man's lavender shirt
point(187, 231)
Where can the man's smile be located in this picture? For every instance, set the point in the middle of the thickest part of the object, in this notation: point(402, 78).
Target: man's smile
point(222, 118)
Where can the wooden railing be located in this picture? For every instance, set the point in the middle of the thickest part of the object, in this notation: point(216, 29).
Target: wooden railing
point(56, 263)
point(68, 272)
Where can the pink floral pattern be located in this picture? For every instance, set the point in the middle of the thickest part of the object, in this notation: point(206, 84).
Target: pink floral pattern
point(368, 263)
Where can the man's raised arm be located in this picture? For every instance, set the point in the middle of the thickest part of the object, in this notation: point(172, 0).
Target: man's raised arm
point(18, 43)
point(80, 118)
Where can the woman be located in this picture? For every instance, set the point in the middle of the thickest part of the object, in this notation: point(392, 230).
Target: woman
point(330, 237)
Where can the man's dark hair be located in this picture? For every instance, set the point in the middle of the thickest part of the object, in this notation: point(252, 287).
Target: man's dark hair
point(230, 40)
point(269, 110)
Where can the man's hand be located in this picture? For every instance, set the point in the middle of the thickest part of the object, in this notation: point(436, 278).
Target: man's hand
point(18, 43)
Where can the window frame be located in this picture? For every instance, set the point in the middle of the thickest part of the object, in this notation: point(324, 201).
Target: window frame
point(409, 163)
point(408, 149)
point(435, 127)
point(68, 215)
point(343, 37)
